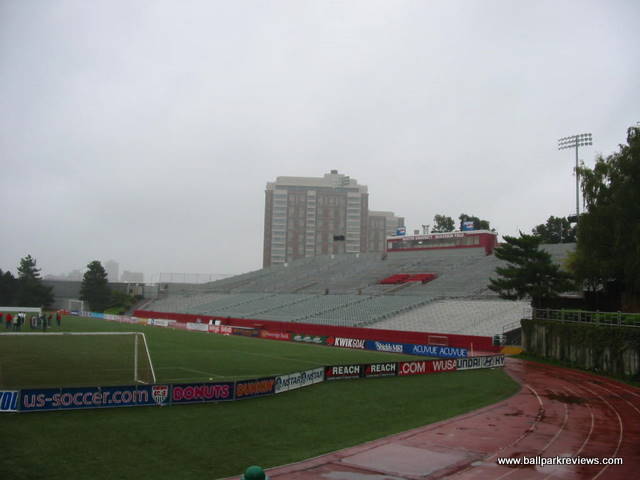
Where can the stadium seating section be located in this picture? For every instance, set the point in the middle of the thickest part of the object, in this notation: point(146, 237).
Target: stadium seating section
point(347, 290)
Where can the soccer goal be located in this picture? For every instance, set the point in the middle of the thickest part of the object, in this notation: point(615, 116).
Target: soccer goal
point(68, 359)
point(75, 305)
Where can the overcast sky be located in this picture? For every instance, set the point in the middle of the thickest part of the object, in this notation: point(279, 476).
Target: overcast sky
point(146, 131)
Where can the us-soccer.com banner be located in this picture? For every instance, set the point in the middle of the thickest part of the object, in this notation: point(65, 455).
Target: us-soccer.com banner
point(50, 399)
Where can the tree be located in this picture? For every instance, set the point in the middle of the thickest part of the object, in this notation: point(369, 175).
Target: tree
point(529, 272)
point(31, 292)
point(556, 230)
point(477, 223)
point(442, 223)
point(608, 242)
point(95, 289)
point(8, 289)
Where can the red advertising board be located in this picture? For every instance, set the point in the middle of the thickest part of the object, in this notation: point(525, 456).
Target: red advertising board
point(271, 335)
point(427, 366)
point(389, 369)
point(338, 372)
point(220, 329)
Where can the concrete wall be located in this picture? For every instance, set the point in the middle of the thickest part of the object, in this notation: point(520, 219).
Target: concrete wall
point(603, 349)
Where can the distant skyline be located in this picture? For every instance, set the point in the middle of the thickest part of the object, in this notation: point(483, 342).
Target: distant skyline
point(147, 131)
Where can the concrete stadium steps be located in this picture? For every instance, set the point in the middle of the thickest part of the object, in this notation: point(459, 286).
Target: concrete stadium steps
point(465, 317)
point(458, 301)
point(368, 311)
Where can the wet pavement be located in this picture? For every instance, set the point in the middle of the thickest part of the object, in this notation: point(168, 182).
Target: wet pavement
point(558, 412)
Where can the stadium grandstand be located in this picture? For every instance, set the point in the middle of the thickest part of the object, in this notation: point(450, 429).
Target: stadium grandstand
point(442, 290)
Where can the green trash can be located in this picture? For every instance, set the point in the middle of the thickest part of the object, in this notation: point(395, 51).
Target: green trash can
point(254, 472)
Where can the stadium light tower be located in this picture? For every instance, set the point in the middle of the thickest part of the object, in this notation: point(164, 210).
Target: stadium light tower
point(575, 141)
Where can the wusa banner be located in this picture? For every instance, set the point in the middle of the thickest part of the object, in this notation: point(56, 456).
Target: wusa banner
point(293, 381)
point(426, 366)
point(411, 349)
point(472, 363)
point(339, 372)
point(202, 392)
point(9, 400)
point(93, 397)
point(255, 388)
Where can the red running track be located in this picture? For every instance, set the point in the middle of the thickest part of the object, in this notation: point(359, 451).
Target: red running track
point(558, 412)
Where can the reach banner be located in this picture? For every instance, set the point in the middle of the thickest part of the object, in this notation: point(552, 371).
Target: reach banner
point(341, 372)
point(93, 397)
point(381, 370)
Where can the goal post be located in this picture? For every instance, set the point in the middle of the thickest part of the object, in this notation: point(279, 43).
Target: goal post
point(68, 359)
point(74, 305)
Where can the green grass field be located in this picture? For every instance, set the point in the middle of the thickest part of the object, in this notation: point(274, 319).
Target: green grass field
point(218, 440)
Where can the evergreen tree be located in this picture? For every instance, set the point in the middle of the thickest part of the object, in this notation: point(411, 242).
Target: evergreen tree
point(8, 289)
point(529, 272)
point(95, 289)
point(556, 230)
point(608, 249)
point(31, 292)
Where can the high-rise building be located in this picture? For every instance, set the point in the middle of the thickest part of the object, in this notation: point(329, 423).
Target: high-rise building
point(381, 225)
point(307, 216)
point(132, 277)
point(113, 270)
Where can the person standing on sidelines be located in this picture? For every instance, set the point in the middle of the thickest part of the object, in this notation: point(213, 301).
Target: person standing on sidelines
point(16, 322)
point(8, 321)
point(59, 318)
point(43, 319)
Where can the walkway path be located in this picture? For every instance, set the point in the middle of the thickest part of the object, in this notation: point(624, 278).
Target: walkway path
point(558, 412)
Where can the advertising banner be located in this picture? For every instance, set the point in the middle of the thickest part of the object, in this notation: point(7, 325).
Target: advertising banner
point(200, 327)
point(160, 322)
point(275, 335)
point(435, 366)
point(340, 372)
point(381, 370)
point(8, 400)
point(245, 331)
point(93, 397)
point(298, 337)
point(384, 346)
point(472, 363)
point(346, 342)
point(255, 388)
point(436, 351)
point(412, 368)
point(202, 392)
point(221, 329)
point(293, 381)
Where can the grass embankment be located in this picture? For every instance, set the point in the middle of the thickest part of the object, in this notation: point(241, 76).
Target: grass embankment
point(218, 440)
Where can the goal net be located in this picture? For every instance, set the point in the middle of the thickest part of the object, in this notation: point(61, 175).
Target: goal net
point(75, 305)
point(69, 359)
